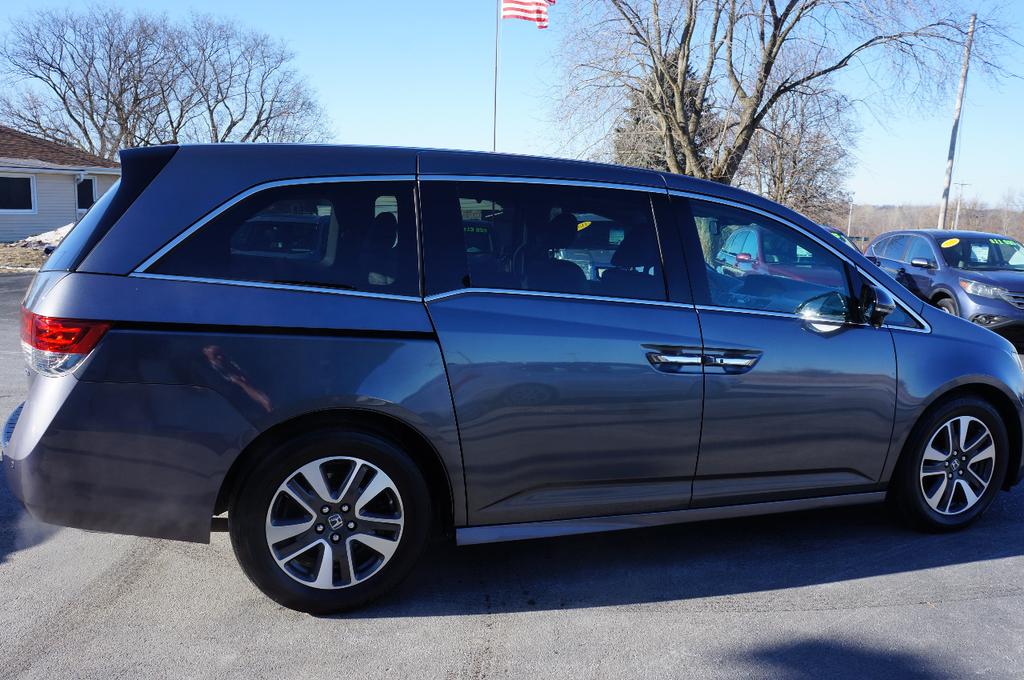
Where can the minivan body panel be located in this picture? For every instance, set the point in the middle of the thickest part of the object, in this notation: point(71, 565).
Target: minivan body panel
point(194, 372)
point(955, 354)
point(561, 412)
point(813, 414)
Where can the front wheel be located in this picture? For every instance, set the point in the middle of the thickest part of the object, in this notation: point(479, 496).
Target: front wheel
point(948, 305)
point(330, 520)
point(954, 466)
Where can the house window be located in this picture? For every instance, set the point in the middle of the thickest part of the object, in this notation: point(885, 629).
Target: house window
point(86, 193)
point(17, 193)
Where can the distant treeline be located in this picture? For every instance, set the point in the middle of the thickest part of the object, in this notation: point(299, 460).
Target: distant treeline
point(871, 220)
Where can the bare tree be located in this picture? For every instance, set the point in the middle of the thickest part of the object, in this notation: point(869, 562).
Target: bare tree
point(102, 79)
point(687, 61)
point(87, 79)
point(799, 156)
point(245, 88)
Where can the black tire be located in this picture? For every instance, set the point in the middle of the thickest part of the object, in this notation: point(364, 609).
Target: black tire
point(248, 512)
point(948, 305)
point(907, 492)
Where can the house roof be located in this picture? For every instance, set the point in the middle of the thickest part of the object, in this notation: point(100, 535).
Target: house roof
point(23, 150)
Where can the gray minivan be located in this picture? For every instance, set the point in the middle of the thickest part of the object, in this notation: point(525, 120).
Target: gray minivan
point(352, 350)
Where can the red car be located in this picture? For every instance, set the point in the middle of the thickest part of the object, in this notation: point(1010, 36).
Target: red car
point(753, 250)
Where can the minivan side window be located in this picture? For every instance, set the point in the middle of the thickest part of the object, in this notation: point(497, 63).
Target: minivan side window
point(790, 270)
point(358, 236)
point(540, 237)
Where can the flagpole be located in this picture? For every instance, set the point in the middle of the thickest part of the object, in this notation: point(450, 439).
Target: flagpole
point(497, 45)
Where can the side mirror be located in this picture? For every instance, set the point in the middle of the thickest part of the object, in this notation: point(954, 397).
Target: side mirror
point(922, 263)
point(876, 304)
point(827, 308)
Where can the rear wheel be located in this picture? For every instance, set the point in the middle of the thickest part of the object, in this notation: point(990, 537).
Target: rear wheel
point(948, 305)
point(330, 520)
point(953, 467)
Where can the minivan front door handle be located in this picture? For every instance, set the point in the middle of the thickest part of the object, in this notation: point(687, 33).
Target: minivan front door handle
point(731, 362)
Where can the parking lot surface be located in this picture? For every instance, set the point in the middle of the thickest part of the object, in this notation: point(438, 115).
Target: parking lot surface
point(830, 594)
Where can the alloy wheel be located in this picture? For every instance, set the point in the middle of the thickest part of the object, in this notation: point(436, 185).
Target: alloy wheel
point(334, 522)
point(958, 465)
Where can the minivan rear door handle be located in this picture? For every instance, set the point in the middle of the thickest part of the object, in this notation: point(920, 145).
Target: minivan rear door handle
point(675, 359)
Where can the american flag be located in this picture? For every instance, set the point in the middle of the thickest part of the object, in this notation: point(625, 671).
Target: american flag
point(528, 10)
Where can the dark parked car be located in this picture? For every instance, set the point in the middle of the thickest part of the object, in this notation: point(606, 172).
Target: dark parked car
point(971, 274)
point(351, 350)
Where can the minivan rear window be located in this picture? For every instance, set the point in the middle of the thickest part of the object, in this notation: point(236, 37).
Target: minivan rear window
point(358, 236)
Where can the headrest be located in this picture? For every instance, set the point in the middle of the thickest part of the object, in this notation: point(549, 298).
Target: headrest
point(637, 249)
point(560, 232)
point(384, 231)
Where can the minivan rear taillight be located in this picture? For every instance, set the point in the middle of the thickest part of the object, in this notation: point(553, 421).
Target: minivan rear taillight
point(56, 346)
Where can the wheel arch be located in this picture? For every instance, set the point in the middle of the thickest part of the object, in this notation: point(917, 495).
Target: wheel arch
point(423, 453)
point(999, 400)
point(943, 293)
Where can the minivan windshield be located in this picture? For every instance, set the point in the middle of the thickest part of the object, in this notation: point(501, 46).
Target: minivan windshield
point(983, 253)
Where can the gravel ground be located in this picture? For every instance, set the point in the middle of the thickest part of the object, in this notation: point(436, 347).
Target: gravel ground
point(836, 594)
point(19, 258)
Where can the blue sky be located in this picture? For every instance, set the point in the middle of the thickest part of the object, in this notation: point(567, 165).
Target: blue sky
point(402, 72)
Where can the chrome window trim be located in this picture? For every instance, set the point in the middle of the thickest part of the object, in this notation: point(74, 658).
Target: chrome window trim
point(756, 312)
point(926, 327)
point(591, 184)
point(237, 198)
point(563, 296)
point(276, 286)
point(784, 314)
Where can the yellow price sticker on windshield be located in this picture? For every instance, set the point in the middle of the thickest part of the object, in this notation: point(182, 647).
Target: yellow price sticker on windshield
point(950, 242)
point(583, 225)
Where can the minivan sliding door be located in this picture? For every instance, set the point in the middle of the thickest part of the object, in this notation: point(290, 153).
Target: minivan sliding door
point(577, 385)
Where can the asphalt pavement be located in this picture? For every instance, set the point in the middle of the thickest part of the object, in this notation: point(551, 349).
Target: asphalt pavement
point(831, 594)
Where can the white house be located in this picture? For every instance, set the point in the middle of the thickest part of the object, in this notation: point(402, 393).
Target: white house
point(45, 185)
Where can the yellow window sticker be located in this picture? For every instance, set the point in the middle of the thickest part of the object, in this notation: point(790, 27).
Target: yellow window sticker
point(950, 242)
point(583, 225)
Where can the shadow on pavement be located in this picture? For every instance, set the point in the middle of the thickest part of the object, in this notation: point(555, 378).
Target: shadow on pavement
point(835, 660)
point(693, 561)
point(17, 529)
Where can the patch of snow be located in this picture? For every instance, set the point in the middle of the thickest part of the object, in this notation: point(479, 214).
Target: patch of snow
point(47, 238)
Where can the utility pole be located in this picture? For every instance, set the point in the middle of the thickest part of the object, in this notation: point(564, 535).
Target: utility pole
point(959, 199)
point(944, 205)
point(849, 219)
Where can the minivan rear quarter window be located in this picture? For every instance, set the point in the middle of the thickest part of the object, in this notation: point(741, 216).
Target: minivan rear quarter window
point(357, 236)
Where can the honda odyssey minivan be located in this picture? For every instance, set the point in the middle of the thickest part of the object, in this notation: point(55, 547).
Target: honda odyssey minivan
point(350, 351)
